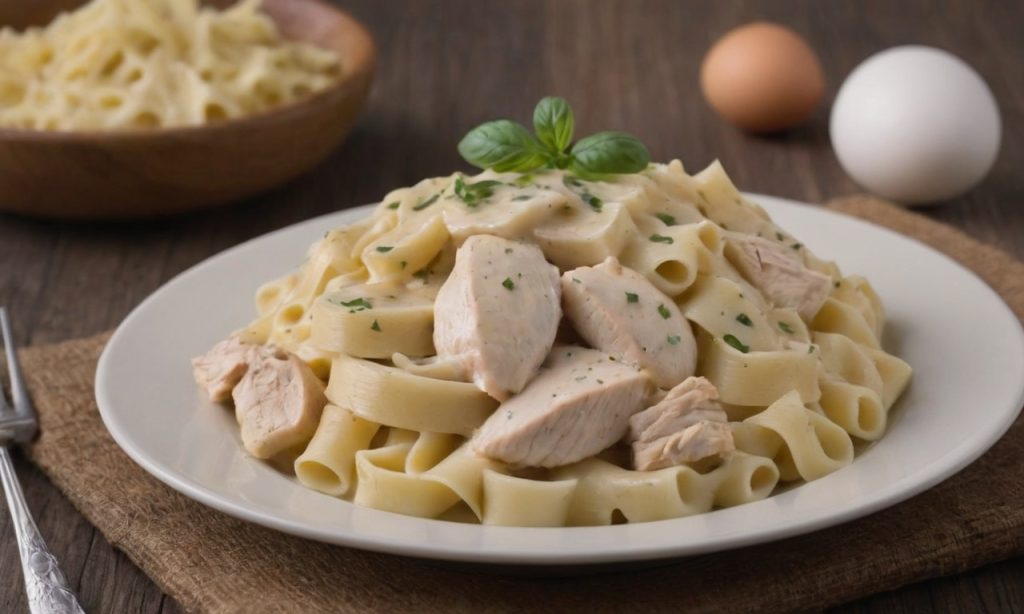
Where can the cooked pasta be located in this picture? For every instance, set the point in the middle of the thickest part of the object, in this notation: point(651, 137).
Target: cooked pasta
point(116, 64)
point(799, 384)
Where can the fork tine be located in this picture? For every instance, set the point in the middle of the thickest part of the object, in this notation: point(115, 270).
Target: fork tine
point(19, 391)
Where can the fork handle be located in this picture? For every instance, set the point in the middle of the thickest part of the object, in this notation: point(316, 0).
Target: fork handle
point(47, 590)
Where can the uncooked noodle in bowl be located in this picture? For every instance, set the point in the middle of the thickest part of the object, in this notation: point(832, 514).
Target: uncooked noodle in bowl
point(122, 64)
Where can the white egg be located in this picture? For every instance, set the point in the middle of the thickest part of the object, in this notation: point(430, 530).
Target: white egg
point(916, 125)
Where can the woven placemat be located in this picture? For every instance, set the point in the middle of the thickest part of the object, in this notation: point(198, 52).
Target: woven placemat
point(211, 562)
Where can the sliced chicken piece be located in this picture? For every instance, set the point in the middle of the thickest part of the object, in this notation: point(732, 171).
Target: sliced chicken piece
point(686, 426)
point(617, 310)
point(577, 406)
point(699, 441)
point(278, 404)
point(779, 273)
point(221, 368)
point(499, 311)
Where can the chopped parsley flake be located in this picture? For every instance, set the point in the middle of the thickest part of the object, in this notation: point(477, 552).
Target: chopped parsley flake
point(473, 193)
point(357, 304)
point(522, 197)
point(509, 284)
point(403, 264)
point(810, 349)
point(673, 339)
point(656, 238)
point(667, 219)
point(797, 245)
point(837, 283)
point(384, 248)
point(595, 203)
point(394, 205)
point(779, 236)
point(600, 381)
point(576, 280)
point(375, 326)
point(744, 320)
point(736, 343)
point(508, 250)
point(786, 328)
point(632, 297)
point(422, 274)
point(664, 312)
point(423, 204)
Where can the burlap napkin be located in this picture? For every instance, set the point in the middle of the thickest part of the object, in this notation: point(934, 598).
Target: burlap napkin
point(211, 562)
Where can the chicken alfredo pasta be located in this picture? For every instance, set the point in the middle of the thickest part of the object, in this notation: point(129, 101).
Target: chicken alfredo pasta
point(115, 64)
point(538, 349)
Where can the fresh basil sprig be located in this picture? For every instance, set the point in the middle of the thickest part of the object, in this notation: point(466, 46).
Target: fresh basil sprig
point(504, 145)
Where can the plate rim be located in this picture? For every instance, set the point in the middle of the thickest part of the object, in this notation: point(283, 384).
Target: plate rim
point(952, 462)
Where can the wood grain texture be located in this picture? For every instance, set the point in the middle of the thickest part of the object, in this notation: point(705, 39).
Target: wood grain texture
point(145, 173)
point(445, 65)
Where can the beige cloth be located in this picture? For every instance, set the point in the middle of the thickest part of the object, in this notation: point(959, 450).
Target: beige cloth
point(211, 562)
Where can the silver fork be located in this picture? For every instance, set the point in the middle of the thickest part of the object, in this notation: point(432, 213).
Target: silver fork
point(45, 585)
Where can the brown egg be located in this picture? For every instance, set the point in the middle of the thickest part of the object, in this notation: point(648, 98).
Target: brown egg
point(762, 77)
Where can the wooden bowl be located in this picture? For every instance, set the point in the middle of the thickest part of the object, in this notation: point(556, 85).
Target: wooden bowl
point(143, 173)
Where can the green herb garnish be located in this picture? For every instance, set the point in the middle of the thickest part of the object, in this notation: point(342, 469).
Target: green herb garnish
point(357, 304)
point(797, 245)
point(736, 343)
point(375, 326)
point(673, 339)
point(473, 193)
point(509, 284)
point(632, 297)
point(384, 248)
point(664, 312)
point(523, 180)
point(394, 205)
point(744, 320)
point(504, 145)
point(423, 204)
point(786, 328)
point(656, 238)
point(522, 197)
point(667, 219)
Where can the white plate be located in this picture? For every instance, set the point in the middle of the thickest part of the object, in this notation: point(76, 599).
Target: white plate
point(965, 345)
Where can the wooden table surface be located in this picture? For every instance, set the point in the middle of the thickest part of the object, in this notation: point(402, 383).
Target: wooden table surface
point(444, 67)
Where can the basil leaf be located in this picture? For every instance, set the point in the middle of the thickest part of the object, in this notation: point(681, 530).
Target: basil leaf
point(553, 122)
point(609, 152)
point(502, 145)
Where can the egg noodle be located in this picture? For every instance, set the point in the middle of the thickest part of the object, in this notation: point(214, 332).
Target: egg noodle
point(115, 64)
point(799, 389)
